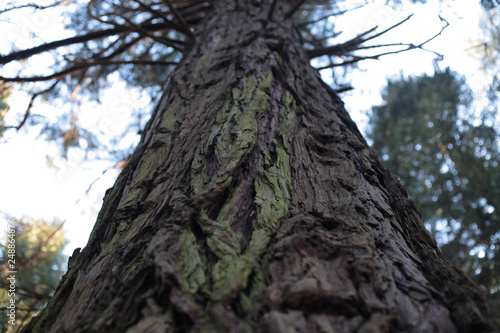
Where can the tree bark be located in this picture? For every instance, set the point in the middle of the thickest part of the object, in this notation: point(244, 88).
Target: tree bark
point(253, 204)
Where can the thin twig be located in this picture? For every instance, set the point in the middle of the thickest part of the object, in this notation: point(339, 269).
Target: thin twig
point(389, 29)
point(352, 44)
point(342, 12)
point(439, 33)
point(119, 165)
point(377, 56)
point(30, 106)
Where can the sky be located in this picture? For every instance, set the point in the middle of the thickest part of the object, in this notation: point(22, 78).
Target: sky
point(453, 43)
point(37, 182)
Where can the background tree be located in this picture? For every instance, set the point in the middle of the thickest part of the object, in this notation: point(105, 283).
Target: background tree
point(449, 161)
point(490, 54)
point(485, 48)
point(40, 265)
point(4, 105)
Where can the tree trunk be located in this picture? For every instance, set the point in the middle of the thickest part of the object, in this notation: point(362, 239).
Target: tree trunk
point(253, 204)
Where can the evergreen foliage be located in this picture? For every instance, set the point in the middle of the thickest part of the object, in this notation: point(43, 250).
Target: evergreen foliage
point(4, 105)
point(39, 263)
point(489, 53)
point(449, 161)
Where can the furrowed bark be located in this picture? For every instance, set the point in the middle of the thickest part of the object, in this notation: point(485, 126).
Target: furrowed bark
point(253, 204)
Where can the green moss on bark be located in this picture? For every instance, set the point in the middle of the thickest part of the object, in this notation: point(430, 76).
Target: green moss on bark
point(191, 264)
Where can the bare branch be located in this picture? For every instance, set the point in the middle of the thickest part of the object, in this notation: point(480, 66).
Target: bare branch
point(119, 165)
point(342, 12)
point(389, 29)
point(343, 89)
point(152, 11)
point(30, 106)
point(24, 54)
point(353, 44)
point(84, 66)
point(34, 6)
point(295, 8)
point(340, 49)
point(377, 56)
point(121, 49)
point(54, 76)
point(439, 33)
point(137, 28)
